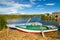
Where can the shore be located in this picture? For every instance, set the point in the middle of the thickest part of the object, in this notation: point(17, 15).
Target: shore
point(9, 34)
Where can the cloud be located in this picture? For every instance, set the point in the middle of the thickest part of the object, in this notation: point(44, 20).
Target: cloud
point(32, 1)
point(50, 4)
point(40, 7)
point(36, 1)
point(22, 13)
point(12, 7)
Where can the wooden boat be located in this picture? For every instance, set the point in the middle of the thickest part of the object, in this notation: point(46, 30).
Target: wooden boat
point(34, 27)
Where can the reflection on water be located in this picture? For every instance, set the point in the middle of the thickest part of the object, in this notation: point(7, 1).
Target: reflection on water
point(17, 21)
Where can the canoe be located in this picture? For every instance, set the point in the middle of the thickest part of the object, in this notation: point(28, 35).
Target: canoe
point(33, 27)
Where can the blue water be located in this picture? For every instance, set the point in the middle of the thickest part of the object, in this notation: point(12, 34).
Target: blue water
point(35, 19)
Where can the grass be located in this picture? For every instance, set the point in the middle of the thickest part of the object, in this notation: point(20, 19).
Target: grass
point(8, 34)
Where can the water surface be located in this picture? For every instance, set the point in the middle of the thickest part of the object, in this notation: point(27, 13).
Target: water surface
point(35, 19)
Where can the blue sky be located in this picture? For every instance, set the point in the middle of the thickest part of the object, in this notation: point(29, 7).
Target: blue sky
point(29, 6)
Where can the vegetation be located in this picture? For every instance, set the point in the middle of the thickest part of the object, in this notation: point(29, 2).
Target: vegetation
point(2, 23)
point(4, 17)
point(46, 17)
point(17, 16)
point(43, 17)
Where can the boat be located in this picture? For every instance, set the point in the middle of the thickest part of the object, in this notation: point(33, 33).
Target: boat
point(34, 27)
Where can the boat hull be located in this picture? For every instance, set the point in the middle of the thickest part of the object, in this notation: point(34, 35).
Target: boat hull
point(29, 30)
point(35, 31)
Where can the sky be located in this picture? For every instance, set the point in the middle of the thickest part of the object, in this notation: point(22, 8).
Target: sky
point(29, 6)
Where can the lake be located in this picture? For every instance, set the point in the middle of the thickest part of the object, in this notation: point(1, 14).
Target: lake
point(35, 19)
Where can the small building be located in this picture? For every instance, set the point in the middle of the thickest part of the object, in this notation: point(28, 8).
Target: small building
point(56, 15)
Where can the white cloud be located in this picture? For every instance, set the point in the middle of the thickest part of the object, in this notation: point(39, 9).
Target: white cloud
point(50, 4)
point(22, 13)
point(12, 6)
point(32, 1)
